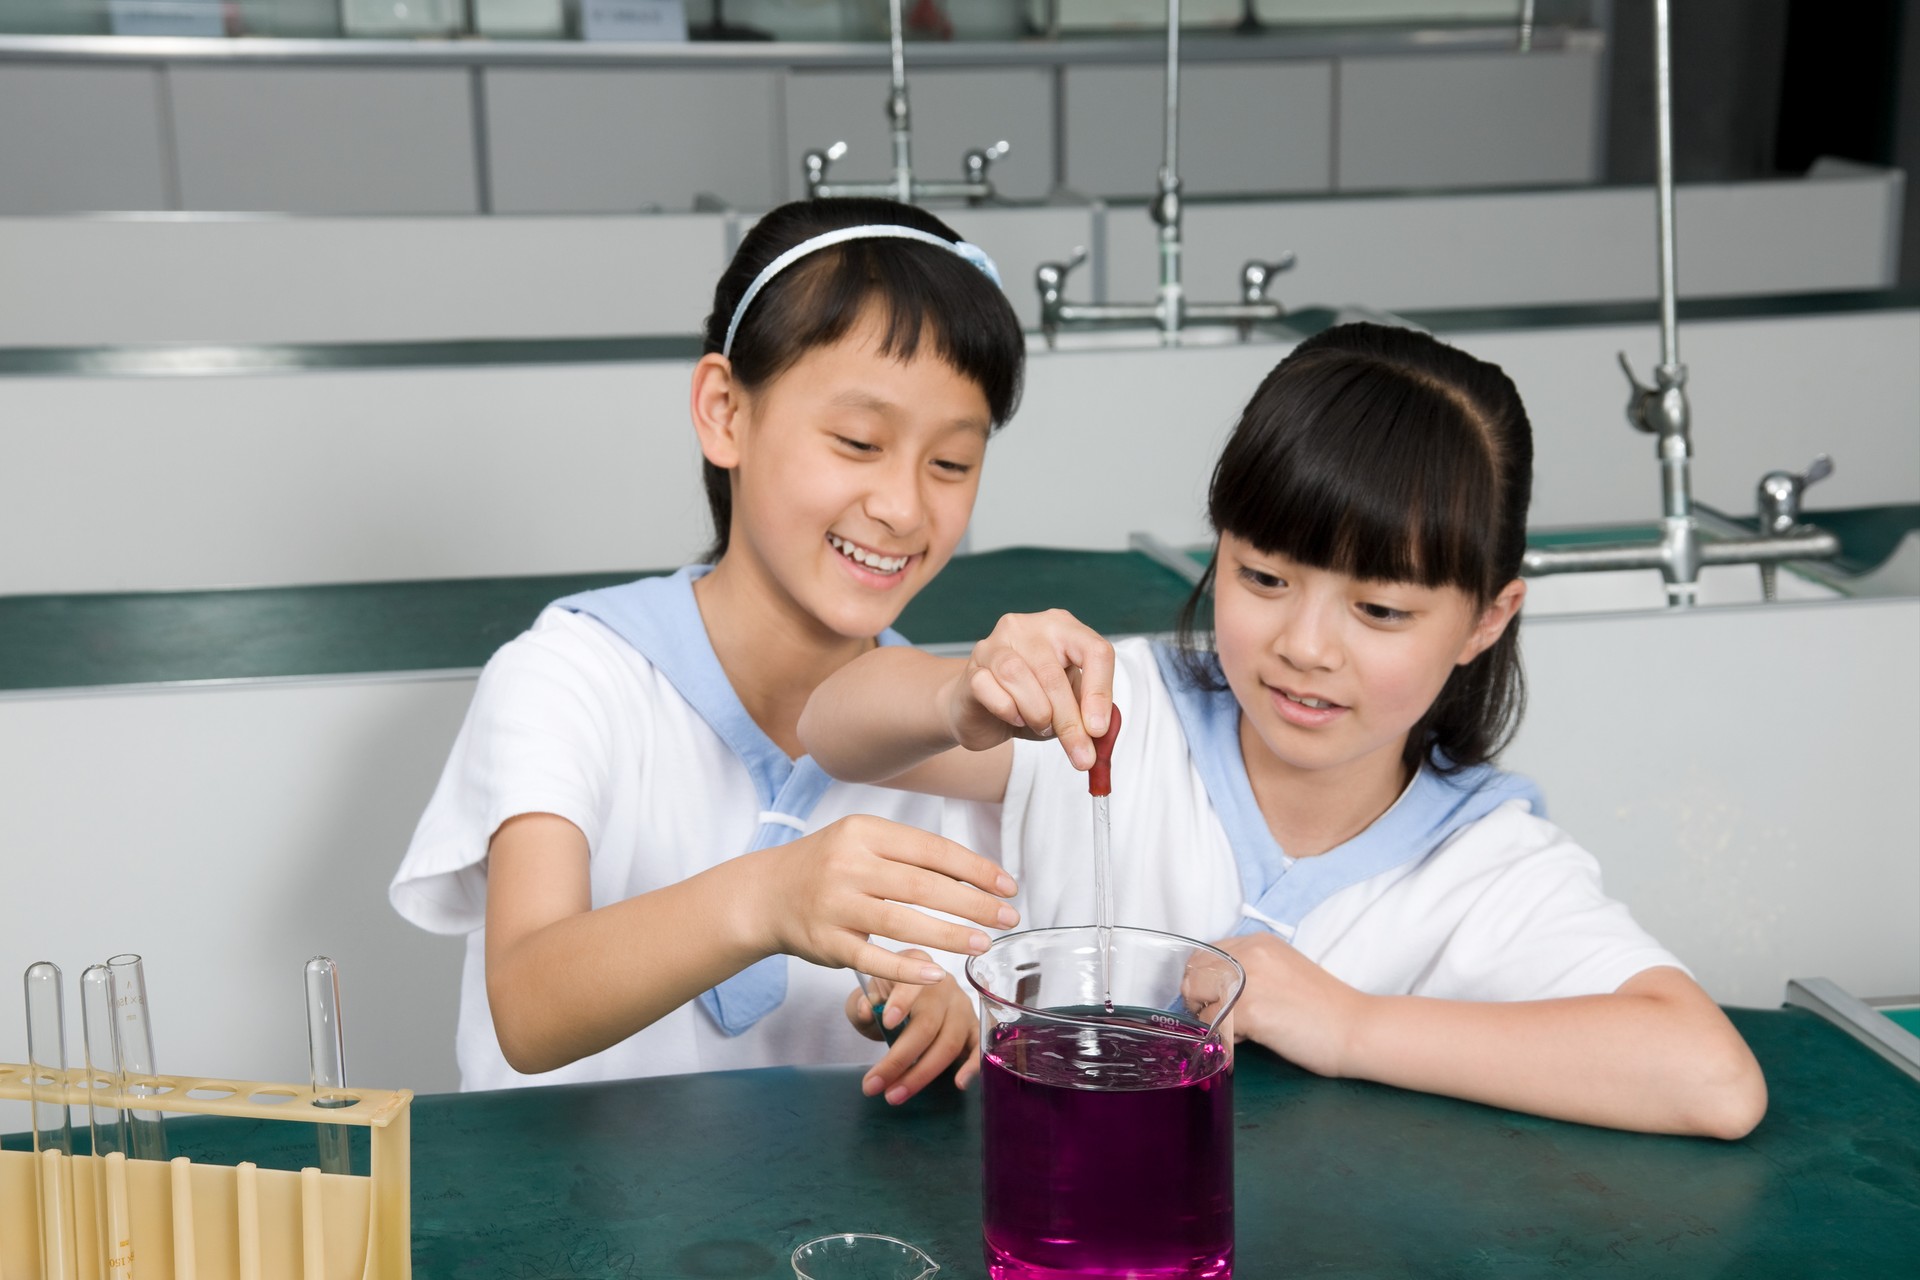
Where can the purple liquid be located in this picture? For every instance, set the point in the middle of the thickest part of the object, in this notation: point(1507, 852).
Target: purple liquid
point(1132, 1178)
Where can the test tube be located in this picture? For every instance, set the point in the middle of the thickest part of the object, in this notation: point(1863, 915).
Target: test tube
point(327, 1056)
point(47, 1057)
point(107, 1125)
point(133, 1038)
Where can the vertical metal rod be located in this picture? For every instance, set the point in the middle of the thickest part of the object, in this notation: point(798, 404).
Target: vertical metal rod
point(1171, 162)
point(897, 111)
point(1663, 125)
point(1166, 210)
point(1526, 26)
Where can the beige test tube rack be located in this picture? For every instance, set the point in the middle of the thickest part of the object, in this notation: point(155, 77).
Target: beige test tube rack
point(60, 1214)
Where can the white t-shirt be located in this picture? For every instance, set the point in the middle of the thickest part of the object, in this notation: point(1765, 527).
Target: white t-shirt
point(571, 720)
point(1507, 908)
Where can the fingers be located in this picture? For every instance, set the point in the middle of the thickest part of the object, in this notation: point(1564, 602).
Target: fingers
point(860, 1014)
point(1024, 674)
point(929, 1044)
point(912, 846)
point(1096, 686)
point(879, 962)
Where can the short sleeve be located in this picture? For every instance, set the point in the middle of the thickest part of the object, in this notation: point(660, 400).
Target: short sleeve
point(1540, 926)
point(536, 740)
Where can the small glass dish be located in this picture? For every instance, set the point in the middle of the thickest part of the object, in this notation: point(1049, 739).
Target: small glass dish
point(856, 1255)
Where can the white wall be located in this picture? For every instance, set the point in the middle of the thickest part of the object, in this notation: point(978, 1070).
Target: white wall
point(1750, 800)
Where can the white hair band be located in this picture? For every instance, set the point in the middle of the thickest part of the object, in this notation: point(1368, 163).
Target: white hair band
point(874, 231)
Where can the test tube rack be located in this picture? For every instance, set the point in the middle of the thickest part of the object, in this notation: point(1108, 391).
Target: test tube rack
point(62, 1216)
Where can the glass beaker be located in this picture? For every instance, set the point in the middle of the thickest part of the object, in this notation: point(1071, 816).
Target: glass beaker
point(1107, 1143)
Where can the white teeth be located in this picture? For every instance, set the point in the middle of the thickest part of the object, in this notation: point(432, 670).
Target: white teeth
point(1315, 703)
point(878, 563)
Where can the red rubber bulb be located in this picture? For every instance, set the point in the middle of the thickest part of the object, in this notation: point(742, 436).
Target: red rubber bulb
point(1100, 777)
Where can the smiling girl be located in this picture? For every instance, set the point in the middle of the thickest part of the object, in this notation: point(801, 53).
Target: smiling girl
point(1316, 787)
point(650, 875)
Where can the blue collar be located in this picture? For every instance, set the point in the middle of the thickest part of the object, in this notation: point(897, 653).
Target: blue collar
point(1279, 891)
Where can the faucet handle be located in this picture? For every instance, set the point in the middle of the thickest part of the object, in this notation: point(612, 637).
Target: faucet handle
point(1640, 399)
point(977, 160)
point(1256, 276)
point(814, 165)
point(1051, 277)
point(1661, 409)
point(1780, 494)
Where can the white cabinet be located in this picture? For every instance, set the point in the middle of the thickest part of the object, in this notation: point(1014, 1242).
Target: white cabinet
point(1244, 127)
point(1469, 120)
point(76, 139)
point(333, 139)
point(561, 140)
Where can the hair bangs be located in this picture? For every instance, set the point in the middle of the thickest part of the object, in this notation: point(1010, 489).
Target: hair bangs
point(1380, 478)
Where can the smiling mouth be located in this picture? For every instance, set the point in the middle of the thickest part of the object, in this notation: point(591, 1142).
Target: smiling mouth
point(1316, 704)
point(871, 561)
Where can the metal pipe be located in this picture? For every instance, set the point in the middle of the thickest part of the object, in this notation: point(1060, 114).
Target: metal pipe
point(898, 113)
point(1166, 209)
point(1171, 160)
point(1663, 133)
point(1814, 545)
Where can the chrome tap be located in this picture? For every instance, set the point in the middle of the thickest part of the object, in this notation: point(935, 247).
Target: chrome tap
point(1661, 410)
point(1777, 504)
point(1170, 312)
point(1778, 500)
point(974, 188)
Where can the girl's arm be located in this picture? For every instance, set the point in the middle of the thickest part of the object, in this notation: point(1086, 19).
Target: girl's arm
point(895, 715)
point(565, 980)
point(1656, 1055)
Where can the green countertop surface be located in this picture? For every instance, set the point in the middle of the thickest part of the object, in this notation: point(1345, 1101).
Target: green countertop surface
point(721, 1175)
point(76, 641)
point(91, 640)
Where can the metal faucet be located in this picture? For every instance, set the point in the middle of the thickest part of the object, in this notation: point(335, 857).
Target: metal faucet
point(974, 188)
point(1170, 311)
point(1661, 410)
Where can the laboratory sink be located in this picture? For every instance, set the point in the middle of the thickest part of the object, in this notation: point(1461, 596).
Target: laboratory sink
point(1629, 590)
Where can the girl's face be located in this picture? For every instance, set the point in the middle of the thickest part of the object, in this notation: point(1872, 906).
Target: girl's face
point(1332, 672)
point(854, 476)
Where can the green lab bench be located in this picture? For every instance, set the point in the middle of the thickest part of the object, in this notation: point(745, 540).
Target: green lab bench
point(138, 638)
point(720, 1175)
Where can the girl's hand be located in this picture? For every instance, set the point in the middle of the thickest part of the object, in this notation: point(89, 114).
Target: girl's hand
point(1293, 1006)
point(1039, 675)
point(822, 896)
point(944, 1027)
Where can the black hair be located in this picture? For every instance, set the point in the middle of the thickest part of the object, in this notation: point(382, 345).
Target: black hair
point(1385, 454)
point(924, 293)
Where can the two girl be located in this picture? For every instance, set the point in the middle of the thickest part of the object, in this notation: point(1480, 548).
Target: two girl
point(1314, 787)
point(650, 875)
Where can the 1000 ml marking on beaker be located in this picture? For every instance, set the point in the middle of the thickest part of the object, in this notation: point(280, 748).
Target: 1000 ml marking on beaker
point(1108, 1150)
